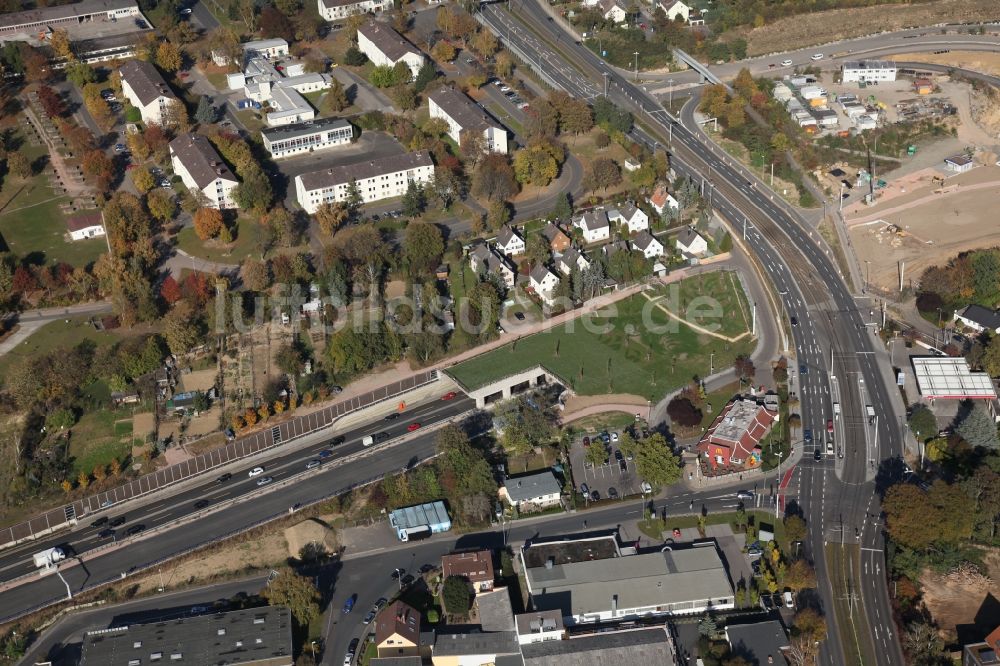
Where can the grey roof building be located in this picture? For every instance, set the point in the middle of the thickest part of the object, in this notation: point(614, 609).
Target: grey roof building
point(673, 582)
point(979, 317)
point(464, 115)
point(68, 14)
point(200, 159)
point(396, 661)
point(254, 637)
point(145, 80)
point(493, 643)
point(360, 171)
point(532, 487)
point(495, 610)
point(761, 643)
point(616, 648)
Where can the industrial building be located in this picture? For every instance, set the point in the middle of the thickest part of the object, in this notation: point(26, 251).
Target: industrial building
point(868, 71)
point(414, 522)
point(252, 637)
point(15, 25)
point(949, 377)
point(594, 580)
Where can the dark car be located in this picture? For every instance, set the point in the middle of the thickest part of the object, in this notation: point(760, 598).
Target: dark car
point(391, 417)
point(585, 489)
point(380, 436)
point(519, 316)
point(427, 568)
point(338, 440)
point(225, 477)
point(396, 573)
point(817, 455)
point(115, 522)
point(795, 321)
point(370, 616)
point(103, 520)
point(349, 604)
point(407, 580)
point(613, 493)
point(807, 434)
point(325, 453)
point(135, 529)
point(803, 369)
point(106, 533)
point(594, 496)
point(201, 504)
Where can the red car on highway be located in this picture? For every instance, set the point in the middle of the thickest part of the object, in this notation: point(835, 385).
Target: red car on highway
point(449, 395)
point(413, 426)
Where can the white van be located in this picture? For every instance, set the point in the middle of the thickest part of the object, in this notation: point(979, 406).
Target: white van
point(368, 440)
point(789, 602)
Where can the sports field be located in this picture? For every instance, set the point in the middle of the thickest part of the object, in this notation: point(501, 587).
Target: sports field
point(634, 346)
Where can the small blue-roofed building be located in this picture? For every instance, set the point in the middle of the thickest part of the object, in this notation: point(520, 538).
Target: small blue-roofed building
point(420, 521)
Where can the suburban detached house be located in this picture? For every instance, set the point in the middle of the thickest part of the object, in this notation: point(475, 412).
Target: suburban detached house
point(570, 259)
point(633, 218)
point(661, 199)
point(690, 242)
point(646, 243)
point(397, 631)
point(476, 566)
point(733, 440)
point(201, 168)
point(385, 46)
point(464, 116)
point(557, 238)
point(594, 225)
point(146, 90)
point(484, 260)
point(674, 9)
point(509, 241)
point(544, 282)
point(88, 225)
point(540, 490)
point(333, 10)
point(979, 318)
point(614, 10)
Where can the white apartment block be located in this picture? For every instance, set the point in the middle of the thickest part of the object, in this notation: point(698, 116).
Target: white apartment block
point(333, 10)
point(376, 179)
point(385, 46)
point(307, 137)
point(868, 70)
point(146, 90)
point(201, 168)
point(463, 115)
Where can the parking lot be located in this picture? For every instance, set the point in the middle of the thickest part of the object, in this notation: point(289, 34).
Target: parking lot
point(618, 474)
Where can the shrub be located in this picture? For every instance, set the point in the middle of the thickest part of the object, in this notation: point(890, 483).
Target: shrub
point(455, 593)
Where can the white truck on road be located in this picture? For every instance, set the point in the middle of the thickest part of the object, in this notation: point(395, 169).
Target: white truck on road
point(48, 558)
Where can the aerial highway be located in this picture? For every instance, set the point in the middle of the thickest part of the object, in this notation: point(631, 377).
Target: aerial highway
point(827, 325)
point(197, 505)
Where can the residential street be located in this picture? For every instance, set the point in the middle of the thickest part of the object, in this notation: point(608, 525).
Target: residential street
point(30, 321)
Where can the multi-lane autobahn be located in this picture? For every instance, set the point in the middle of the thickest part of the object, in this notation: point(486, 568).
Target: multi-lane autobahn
point(830, 336)
point(245, 503)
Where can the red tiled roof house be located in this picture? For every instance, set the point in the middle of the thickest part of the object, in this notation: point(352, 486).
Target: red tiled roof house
point(734, 438)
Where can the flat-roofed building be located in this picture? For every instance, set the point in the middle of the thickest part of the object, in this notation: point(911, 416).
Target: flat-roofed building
point(853, 71)
point(307, 137)
point(376, 179)
point(253, 637)
point(420, 520)
point(64, 17)
point(385, 46)
point(146, 90)
point(464, 116)
point(646, 647)
point(949, 377)
point(202, 170)
point(623, 587)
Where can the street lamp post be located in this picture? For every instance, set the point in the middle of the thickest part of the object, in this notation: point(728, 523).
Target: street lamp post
point(636, 54)
point(605, 85)
point(670, 102)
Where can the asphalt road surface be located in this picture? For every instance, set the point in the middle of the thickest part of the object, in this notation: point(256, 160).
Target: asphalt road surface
point(255, 504)
point(829, 323)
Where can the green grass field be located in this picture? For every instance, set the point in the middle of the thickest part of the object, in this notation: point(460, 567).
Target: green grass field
point(31, 221)
point(631, 347)
point(244, 245)
point(54, 335)
point(98, 437)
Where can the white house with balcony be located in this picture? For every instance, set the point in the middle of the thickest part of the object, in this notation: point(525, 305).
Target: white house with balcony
point(202, 170)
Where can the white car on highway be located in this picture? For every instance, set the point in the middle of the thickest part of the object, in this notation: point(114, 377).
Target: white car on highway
point(816, 56)
point(256, 471)
point(786, 63)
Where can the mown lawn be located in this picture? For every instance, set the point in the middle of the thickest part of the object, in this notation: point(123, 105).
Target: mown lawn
point(244, 245)
point(630, 347)
point(99, 437)
point(57, 334)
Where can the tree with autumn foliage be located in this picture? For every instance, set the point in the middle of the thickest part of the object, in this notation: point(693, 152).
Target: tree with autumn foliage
point(208, 223)
point(170, 291)
point(100, 169)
